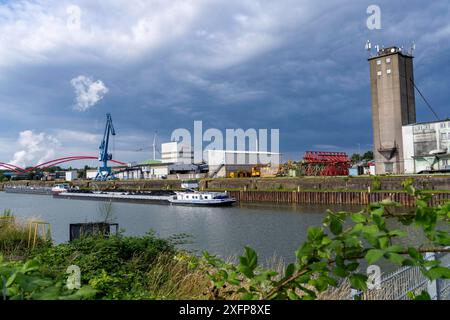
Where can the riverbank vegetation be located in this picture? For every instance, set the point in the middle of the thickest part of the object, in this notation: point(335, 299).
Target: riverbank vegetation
point(328, 263)
point(117, 267)
point(15, 241)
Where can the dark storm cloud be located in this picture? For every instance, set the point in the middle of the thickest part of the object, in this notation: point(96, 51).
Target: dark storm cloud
point(299, 66)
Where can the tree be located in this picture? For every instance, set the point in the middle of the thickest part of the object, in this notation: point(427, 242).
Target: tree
point(356, 157)
point(333, 253)
point(368, 156)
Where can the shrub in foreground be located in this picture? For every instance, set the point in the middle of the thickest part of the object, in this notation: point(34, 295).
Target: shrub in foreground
point(333, 253)
point(120, 267)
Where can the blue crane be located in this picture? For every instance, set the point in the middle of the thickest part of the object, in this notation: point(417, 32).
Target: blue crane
point(104, 172)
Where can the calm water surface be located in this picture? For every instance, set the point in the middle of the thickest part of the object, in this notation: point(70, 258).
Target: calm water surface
point(271, 230)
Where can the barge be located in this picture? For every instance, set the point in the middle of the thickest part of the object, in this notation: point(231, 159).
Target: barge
point(187, 198)
point(28, 190)
point(156, 197)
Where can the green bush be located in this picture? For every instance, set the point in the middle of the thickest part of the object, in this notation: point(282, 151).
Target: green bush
point(14, 236)
point(376, 184)
point(333, 253)
point(22, 280)
point(117, 266)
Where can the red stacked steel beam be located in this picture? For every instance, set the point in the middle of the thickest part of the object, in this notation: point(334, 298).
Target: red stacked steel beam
point(326, 163)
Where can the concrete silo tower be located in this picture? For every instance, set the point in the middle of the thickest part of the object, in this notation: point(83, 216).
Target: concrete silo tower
point(393, 106)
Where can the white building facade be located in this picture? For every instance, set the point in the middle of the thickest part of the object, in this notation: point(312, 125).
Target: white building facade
point(144, 171)
point(426, 146)
point(174, 152)
point(71, 175)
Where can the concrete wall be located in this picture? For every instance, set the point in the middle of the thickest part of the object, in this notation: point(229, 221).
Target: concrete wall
point(326, 183)
point(305, 183)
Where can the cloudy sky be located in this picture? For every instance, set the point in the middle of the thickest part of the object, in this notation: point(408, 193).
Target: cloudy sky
point(296, 65)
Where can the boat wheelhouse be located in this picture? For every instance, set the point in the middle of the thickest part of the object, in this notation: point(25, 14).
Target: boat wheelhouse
point(60, 188)
point(202, 198)
point(189, 184)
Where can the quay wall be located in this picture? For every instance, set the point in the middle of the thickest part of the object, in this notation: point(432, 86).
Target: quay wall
point(332, 198)
point(380, 183)
point(307, 190)
point(441, 182)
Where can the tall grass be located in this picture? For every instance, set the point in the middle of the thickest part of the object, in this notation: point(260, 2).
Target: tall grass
point(14, 234)
point(171, 278)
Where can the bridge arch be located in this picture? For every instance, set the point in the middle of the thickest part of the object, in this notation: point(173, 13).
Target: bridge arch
point(51, 163)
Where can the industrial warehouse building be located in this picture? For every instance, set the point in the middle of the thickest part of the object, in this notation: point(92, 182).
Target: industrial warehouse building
point(158, 170)
point(176, 163)
point(223, 163)
point(147, 170)
point(401, 144)
point(426, 146)
point(175, 152)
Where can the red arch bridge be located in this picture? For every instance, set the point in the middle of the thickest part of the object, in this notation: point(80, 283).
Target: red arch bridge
point(49, 164)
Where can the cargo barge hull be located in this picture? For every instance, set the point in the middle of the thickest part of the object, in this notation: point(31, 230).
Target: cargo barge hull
point(145, 199)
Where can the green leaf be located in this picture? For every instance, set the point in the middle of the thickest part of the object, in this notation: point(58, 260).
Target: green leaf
point(422, 296)
point(248, 262)
point(292, 295)
point(357, 228)
point(252, 257)
point(315, 233)
point(397, 233)
point(372, 229)
point(85, 293)
point(289, 270)
point(304, 252)
point(358, 281)
point(389, 203)
point(321, 283)
point(352, 266)
point(303, 279)
point(358, 218)
point(395, 248)
point(438, 273)
point(383, 242)
point(325, 241)
point(415, 254)
point(409, 263)
point(30, 265)
point(421, 203)
point(318, 266)
point(336, 226)
point(11, 279)
point(340, 272)
point(374, 255)
point(395, 258)
point(232, 279)
point(249, 296)
point(377, 212)
point(352, 241)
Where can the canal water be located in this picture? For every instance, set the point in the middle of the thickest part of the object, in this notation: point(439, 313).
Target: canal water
point(273, 230)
